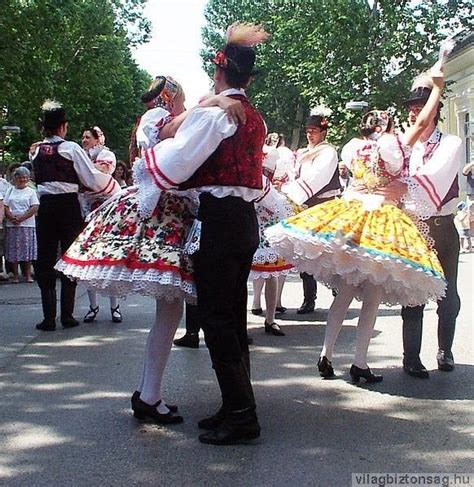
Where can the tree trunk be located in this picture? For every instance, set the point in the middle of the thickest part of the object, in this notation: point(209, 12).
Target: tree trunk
point(295, 135)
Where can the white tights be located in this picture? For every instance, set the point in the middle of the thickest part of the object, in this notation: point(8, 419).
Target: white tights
point(158, 348)
point(93, 300)
point(271, 296)
point(365, 325)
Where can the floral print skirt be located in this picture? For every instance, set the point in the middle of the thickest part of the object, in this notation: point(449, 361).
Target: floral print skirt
point(120, 253)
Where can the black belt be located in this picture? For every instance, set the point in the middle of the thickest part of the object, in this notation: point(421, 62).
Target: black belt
point(440, 220)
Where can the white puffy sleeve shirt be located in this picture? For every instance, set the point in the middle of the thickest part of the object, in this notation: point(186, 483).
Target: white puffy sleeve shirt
point(313, 176)
point(175, 160)
point(435, 175)
point(89, 176)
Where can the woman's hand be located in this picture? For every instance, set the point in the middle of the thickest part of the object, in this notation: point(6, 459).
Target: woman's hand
point(393, 192)
point(233, 108)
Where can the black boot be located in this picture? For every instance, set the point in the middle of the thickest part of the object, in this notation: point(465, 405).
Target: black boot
point(237, 427)
point(48, 302)
point(309, 292)
point(214, 421)
point(189, 340)
point(68, 296)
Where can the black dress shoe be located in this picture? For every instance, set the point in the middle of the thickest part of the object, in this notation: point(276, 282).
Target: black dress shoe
point(256, 311)
point(69, 322)
point(189, 340)
point(136, 396)
point(280, 309)
point(143, 411)
point(274, 329)
point(214, 421)
point(91, 314)
point(325, 368)
point(356, 373)
point(445, 361)
point(116, 314)
point(236, 428)
point(305, 308)
point(46, 325)
point(416, 370)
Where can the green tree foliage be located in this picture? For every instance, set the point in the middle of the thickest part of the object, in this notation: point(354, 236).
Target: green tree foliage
point(75, 51)
point(333, 51)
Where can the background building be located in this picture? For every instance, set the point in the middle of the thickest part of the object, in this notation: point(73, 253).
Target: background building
point(458, 111)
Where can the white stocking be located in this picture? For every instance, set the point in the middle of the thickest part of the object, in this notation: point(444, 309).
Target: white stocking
point(92, 298)
point(281, 283)
point(158, 347)
point(257, 292)
point(113, 302)
point(336, 316)
point(271, 290)
point(365, 326)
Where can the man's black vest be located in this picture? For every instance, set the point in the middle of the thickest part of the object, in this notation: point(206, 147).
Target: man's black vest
point(49, 166)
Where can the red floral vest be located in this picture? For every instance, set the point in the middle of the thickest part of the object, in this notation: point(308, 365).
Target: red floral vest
point(238, 159)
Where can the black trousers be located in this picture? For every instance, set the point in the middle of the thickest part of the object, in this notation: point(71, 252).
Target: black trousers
point(229, 238)
point(445, 235)
point(59, 222)
point(309, 288)
point(193, 321)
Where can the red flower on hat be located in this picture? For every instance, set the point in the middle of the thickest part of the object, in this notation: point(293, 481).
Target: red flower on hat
point(220, 59)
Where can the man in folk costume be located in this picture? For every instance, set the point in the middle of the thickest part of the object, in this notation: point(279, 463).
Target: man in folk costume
point(434, 165)
point(223, 162)
point(317, 180)
point(60, 167)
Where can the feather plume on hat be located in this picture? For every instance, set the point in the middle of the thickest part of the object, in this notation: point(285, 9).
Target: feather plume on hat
point(321, 111)
point(245, 34)
point(49, 105)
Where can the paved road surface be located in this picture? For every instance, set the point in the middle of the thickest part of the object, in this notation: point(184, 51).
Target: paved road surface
point(65, 417)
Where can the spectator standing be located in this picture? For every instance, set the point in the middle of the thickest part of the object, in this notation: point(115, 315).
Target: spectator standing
point(121, 174)
point(21, 205)
point(4, 186)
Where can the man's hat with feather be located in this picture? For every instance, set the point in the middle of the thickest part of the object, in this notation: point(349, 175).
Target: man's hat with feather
point(53, 115)
point(238, 55)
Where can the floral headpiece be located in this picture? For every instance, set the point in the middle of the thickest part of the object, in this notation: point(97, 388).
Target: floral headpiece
point(376, 121)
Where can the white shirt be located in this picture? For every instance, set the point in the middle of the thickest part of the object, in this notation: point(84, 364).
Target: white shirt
point(285, 166)
point(103, 158)
point(175, 160)
point(313, 175)
point(148, 130)
point(19, 201)
point(89, 176)
point(435, 176)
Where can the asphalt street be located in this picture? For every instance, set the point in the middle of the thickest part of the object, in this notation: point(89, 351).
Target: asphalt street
point(65, 416)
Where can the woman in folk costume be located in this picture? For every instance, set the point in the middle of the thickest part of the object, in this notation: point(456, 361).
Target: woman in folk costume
point(120, 251)
point(362, 244)
point(268, 268)
point(93, 142)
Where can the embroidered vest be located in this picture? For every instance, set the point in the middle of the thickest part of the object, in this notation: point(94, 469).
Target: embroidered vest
point(50, 166)
point(238, 159)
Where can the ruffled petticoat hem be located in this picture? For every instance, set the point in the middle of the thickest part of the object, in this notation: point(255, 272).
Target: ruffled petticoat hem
point(266, 272)
point(119, 281)
point(332, 262)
